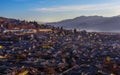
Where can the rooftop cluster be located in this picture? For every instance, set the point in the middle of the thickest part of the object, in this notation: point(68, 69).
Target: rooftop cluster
point(56, 51)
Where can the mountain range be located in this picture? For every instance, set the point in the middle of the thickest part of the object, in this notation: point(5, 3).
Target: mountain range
point(91, 23)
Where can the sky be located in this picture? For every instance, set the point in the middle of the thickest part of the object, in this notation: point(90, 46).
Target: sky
point(57, 10)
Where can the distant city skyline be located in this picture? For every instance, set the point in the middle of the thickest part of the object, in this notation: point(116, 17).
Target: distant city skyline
point(56, 10)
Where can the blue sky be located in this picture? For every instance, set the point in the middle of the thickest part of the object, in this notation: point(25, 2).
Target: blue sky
point(56, 10)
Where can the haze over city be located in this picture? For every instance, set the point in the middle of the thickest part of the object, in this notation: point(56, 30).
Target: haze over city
point(57, 10)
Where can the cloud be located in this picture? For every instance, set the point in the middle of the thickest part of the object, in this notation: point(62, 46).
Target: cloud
point(111, 6)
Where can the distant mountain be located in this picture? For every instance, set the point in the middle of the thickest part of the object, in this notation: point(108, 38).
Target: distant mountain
point(91, 23)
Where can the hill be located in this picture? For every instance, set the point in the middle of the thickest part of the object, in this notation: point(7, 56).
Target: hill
point(91, 23)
